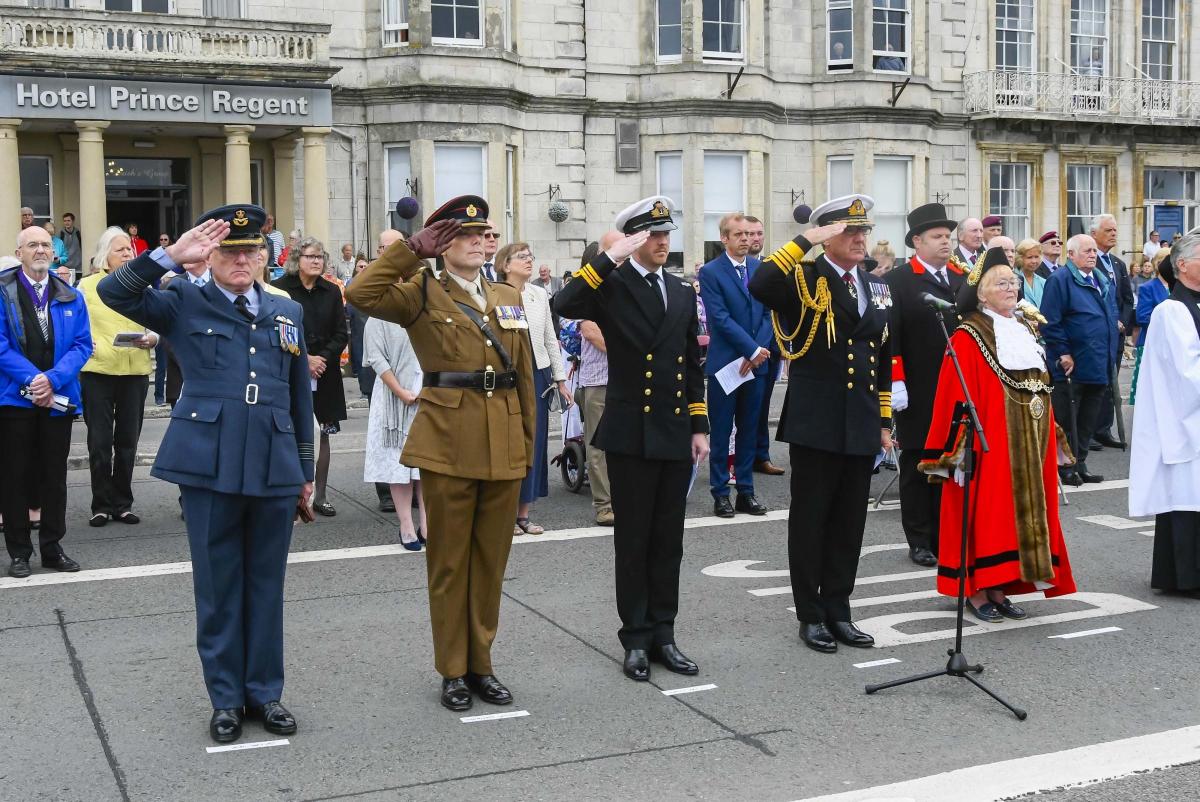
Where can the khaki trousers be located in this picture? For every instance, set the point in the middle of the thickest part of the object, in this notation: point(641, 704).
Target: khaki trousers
point(592, 406)
point(470, 534)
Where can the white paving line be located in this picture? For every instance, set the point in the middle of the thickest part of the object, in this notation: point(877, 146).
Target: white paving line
point(871, 664)
point(693, 689)
point(1086, 632)
point(871, 601)
point(1071, 768)
point(1111, 484)
point(249, 745)
point(862, 580)
point(494, 716)
point(1112, 521)
point(1149, 533)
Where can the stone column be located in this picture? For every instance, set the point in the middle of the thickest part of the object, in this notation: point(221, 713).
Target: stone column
point(285, 185)
point(10, 203)
point(68, 201)
point(237, 163)
point(316, 184)
point(212, 174)
point(93, 209)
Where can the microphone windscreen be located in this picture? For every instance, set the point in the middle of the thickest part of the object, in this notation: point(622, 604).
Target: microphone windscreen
point(802, 213)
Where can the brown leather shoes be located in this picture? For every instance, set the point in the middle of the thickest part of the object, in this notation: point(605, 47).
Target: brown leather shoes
point(769, 468)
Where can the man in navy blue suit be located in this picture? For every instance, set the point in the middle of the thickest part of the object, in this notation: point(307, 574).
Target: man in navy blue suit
point(240, 447)
point(739, 330)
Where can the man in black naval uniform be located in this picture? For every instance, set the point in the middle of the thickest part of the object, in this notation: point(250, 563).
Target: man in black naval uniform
point(240, 447)
point(837, 413)
point(918, 345)
point(655, 423)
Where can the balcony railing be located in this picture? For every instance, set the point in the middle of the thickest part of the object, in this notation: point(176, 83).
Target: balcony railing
point(76, 34)
point(1132, 100)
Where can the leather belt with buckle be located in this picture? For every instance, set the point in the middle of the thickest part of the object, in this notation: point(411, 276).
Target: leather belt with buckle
point(481, 380)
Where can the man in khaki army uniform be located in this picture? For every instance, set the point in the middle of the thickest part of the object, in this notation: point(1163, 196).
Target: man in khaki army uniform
point(473, 434)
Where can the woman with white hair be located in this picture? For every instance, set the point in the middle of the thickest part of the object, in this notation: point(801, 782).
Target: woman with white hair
point(114, 383)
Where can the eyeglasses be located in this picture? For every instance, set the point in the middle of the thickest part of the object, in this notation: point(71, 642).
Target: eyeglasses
point(39, 246)
point(312, 256)
point(490, 235)
point(524, 256)
point(164, 239)
point(1007, 284)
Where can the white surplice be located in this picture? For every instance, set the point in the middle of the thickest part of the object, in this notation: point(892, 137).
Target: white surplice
point(1164, 470)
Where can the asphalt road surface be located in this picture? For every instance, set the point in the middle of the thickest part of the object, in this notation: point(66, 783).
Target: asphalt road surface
point(103, 700)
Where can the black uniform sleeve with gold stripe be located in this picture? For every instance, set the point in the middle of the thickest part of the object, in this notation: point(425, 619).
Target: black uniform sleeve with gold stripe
point(885, 384)
point(694, 381)
point(583, 298)
point(773, 284)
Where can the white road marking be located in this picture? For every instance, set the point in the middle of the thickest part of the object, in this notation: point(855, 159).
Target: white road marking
point(1112, 484)
point(871, 601)
point(248, 745)
point(862, 580)
point(1071, 768)
point(871, 664)
point(1112, 521)
point(693, 689)
point(1150, 533)
point(741, 569)
point(884, 628)
point(1087, 632)
point(494, 716)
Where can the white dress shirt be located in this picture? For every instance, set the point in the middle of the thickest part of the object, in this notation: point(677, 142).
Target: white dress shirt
point(643, 272)
point(939, 273)
point(858, 283)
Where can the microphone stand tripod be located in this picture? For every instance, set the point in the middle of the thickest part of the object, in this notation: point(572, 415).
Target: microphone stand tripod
point(958, 666)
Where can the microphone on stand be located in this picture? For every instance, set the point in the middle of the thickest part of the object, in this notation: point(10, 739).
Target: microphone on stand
point(934, 302)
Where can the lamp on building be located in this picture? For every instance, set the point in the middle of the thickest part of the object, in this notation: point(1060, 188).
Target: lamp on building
point(408, 208)
point(558, 212)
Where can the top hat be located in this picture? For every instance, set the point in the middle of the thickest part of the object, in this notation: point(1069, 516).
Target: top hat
point(924, 218)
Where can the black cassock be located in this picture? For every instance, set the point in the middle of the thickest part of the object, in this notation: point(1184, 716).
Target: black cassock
point(918, 346)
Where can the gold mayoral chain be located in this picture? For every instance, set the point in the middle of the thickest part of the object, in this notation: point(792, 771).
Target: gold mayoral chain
point(819, 305)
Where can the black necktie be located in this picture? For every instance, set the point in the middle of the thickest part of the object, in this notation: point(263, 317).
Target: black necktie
point(940, 275)
point(487, 271)
point(652, 278)
point(243, 307)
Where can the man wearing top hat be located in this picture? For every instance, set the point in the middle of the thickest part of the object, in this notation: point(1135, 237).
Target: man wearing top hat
point(918, 346)
point(472, 437)
point(239, 445)
point(655, 424)
point(831, 318)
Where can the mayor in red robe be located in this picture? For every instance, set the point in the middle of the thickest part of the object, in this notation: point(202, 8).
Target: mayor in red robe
point(1015, 542)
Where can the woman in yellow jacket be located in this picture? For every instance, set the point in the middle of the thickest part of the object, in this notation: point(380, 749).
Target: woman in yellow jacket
point(114, 383)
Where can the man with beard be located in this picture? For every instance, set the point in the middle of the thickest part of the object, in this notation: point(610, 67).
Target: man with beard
point(762, 443)
point(918, 345)
point(654, 429)
point(835, 314)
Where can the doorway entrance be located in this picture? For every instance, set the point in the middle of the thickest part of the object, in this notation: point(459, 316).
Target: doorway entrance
point(153, 194)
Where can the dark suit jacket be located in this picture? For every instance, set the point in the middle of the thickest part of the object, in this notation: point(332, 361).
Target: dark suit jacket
point(738, 324)
point(244, 424)
point(655, 397)
point(918, 343)
point(839, 393)
point(1126, 313)
point(1044, 271)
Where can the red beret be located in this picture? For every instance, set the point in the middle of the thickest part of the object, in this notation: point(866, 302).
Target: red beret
point(992, 220)
point(1049, 235)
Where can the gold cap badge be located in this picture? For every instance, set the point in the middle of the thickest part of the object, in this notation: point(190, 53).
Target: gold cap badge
point(471, 210)
point(660, 210)
point(240, 219)
point(857, 209)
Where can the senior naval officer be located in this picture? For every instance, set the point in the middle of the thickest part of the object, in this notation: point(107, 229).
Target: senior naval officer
point(239, 445)
point(655, 423)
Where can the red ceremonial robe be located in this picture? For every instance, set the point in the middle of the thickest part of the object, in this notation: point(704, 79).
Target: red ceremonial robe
point(1015, 541)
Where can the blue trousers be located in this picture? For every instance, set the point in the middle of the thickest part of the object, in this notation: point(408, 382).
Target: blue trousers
point(239, 548)
point(744, 407)
point(763, 447)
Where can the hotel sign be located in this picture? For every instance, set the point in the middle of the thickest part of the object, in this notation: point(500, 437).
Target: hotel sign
point(38, 97)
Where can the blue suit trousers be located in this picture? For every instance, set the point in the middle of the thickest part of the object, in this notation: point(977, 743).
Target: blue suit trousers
point(239, 548)
point(744, 407)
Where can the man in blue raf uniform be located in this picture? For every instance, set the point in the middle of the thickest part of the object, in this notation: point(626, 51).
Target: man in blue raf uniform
point(838, 410)
point(655, 424)
point(239, 445)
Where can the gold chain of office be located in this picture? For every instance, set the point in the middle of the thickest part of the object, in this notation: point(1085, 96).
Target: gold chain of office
point(1029, 385)
point(818, 305)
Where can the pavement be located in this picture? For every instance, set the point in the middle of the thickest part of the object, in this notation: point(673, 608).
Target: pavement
point(103, 698)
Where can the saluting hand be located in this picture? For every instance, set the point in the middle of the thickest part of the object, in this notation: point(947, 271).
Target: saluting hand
point(195, 245)
point(822, 234)
point(622, 249)
point(433, 240)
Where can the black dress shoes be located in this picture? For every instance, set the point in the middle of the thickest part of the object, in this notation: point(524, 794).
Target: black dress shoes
point(817, 637)
point(225, 727)
point(636, 665)
point(747, 503)
point(455, 694)
point(673, 660)
point(274, 717)
point(489, 689)
point(1106, 439)
point(922, 556)
point(59, 562)
point(1073, 479)
point(19, 568)
point(722, 507)
point(847, 633)
point(1089, 478)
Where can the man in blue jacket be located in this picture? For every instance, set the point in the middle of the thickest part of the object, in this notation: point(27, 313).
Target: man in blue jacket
point(45, 339)
point(739, 330)
point(240, 447)
point(1080, 307)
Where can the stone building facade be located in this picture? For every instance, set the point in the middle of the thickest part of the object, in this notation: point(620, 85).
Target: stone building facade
point(1044, 111)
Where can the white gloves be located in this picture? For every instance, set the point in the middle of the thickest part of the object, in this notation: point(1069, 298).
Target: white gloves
point(899, 396)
